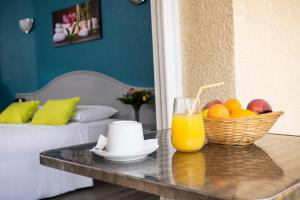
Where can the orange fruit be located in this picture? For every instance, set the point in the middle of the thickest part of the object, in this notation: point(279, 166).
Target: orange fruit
point(218, 111)
point(233, 104)
point(242, 113)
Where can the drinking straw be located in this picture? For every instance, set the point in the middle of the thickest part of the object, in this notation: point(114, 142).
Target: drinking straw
point(199, 93)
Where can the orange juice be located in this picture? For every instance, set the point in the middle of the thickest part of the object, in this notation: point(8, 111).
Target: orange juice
point(188, 132)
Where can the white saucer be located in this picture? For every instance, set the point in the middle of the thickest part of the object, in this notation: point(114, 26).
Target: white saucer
point(150, 147)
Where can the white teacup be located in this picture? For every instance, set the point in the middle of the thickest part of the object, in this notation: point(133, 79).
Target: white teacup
point(125, 137)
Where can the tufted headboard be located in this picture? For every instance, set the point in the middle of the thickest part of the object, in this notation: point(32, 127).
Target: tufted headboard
point(94, 89)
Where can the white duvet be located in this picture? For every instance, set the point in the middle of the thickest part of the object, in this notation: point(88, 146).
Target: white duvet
point(22, 176)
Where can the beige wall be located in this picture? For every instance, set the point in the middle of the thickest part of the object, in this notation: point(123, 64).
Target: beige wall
point(267, 56)
point(207, 42)
point(253, 45)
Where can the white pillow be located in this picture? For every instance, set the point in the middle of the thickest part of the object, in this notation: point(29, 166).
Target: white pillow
point(93, 113)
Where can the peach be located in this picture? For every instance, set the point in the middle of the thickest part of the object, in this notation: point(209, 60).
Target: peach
point(259, 106)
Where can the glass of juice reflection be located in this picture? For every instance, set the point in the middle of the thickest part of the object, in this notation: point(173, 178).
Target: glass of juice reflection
point(187, 132)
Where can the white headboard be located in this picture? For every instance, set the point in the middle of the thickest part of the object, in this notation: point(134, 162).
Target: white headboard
point(94, 89)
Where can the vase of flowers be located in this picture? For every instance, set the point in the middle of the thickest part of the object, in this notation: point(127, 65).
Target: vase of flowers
point(136, 98)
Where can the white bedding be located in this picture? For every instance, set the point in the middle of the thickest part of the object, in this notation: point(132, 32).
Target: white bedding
point(21, 175)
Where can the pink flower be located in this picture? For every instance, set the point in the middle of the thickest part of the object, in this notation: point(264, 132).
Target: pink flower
point(66, 19)
point(74, 15)
point(70, 18)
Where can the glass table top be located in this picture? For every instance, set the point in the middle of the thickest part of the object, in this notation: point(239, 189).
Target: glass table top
point(270, 169)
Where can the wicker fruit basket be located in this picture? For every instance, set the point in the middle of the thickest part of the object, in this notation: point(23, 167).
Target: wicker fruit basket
point(239, 131)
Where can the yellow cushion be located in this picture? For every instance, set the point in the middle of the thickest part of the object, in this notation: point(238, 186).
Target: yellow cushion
point(56, 112)
point(18, 113)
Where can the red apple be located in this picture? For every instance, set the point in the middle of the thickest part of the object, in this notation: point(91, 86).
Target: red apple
point(259, 106)
point(211, 103)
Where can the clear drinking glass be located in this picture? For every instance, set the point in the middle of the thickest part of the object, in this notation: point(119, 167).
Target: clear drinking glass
point(187, 125)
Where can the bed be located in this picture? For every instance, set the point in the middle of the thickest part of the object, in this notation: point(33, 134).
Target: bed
point(21, 175)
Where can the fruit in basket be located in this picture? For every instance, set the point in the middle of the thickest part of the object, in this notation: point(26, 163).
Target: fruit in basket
point(211, 103)
point(218, 111)
point(232, 105)
point(204, 113)
point(259, 106)
point(242, 113)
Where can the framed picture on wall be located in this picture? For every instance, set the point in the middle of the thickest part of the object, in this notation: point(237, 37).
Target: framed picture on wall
point(76, 24)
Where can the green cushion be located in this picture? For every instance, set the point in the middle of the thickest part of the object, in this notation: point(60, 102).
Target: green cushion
point(56, 112)
point(18, 113)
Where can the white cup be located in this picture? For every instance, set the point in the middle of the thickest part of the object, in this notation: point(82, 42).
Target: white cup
point(125, 137)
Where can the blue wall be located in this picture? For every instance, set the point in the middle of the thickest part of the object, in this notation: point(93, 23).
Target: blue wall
point(28, 62)
point(125, 52)
point(17, 51)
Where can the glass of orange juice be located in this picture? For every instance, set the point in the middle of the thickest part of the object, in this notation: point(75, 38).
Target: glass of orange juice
point(187, 126)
